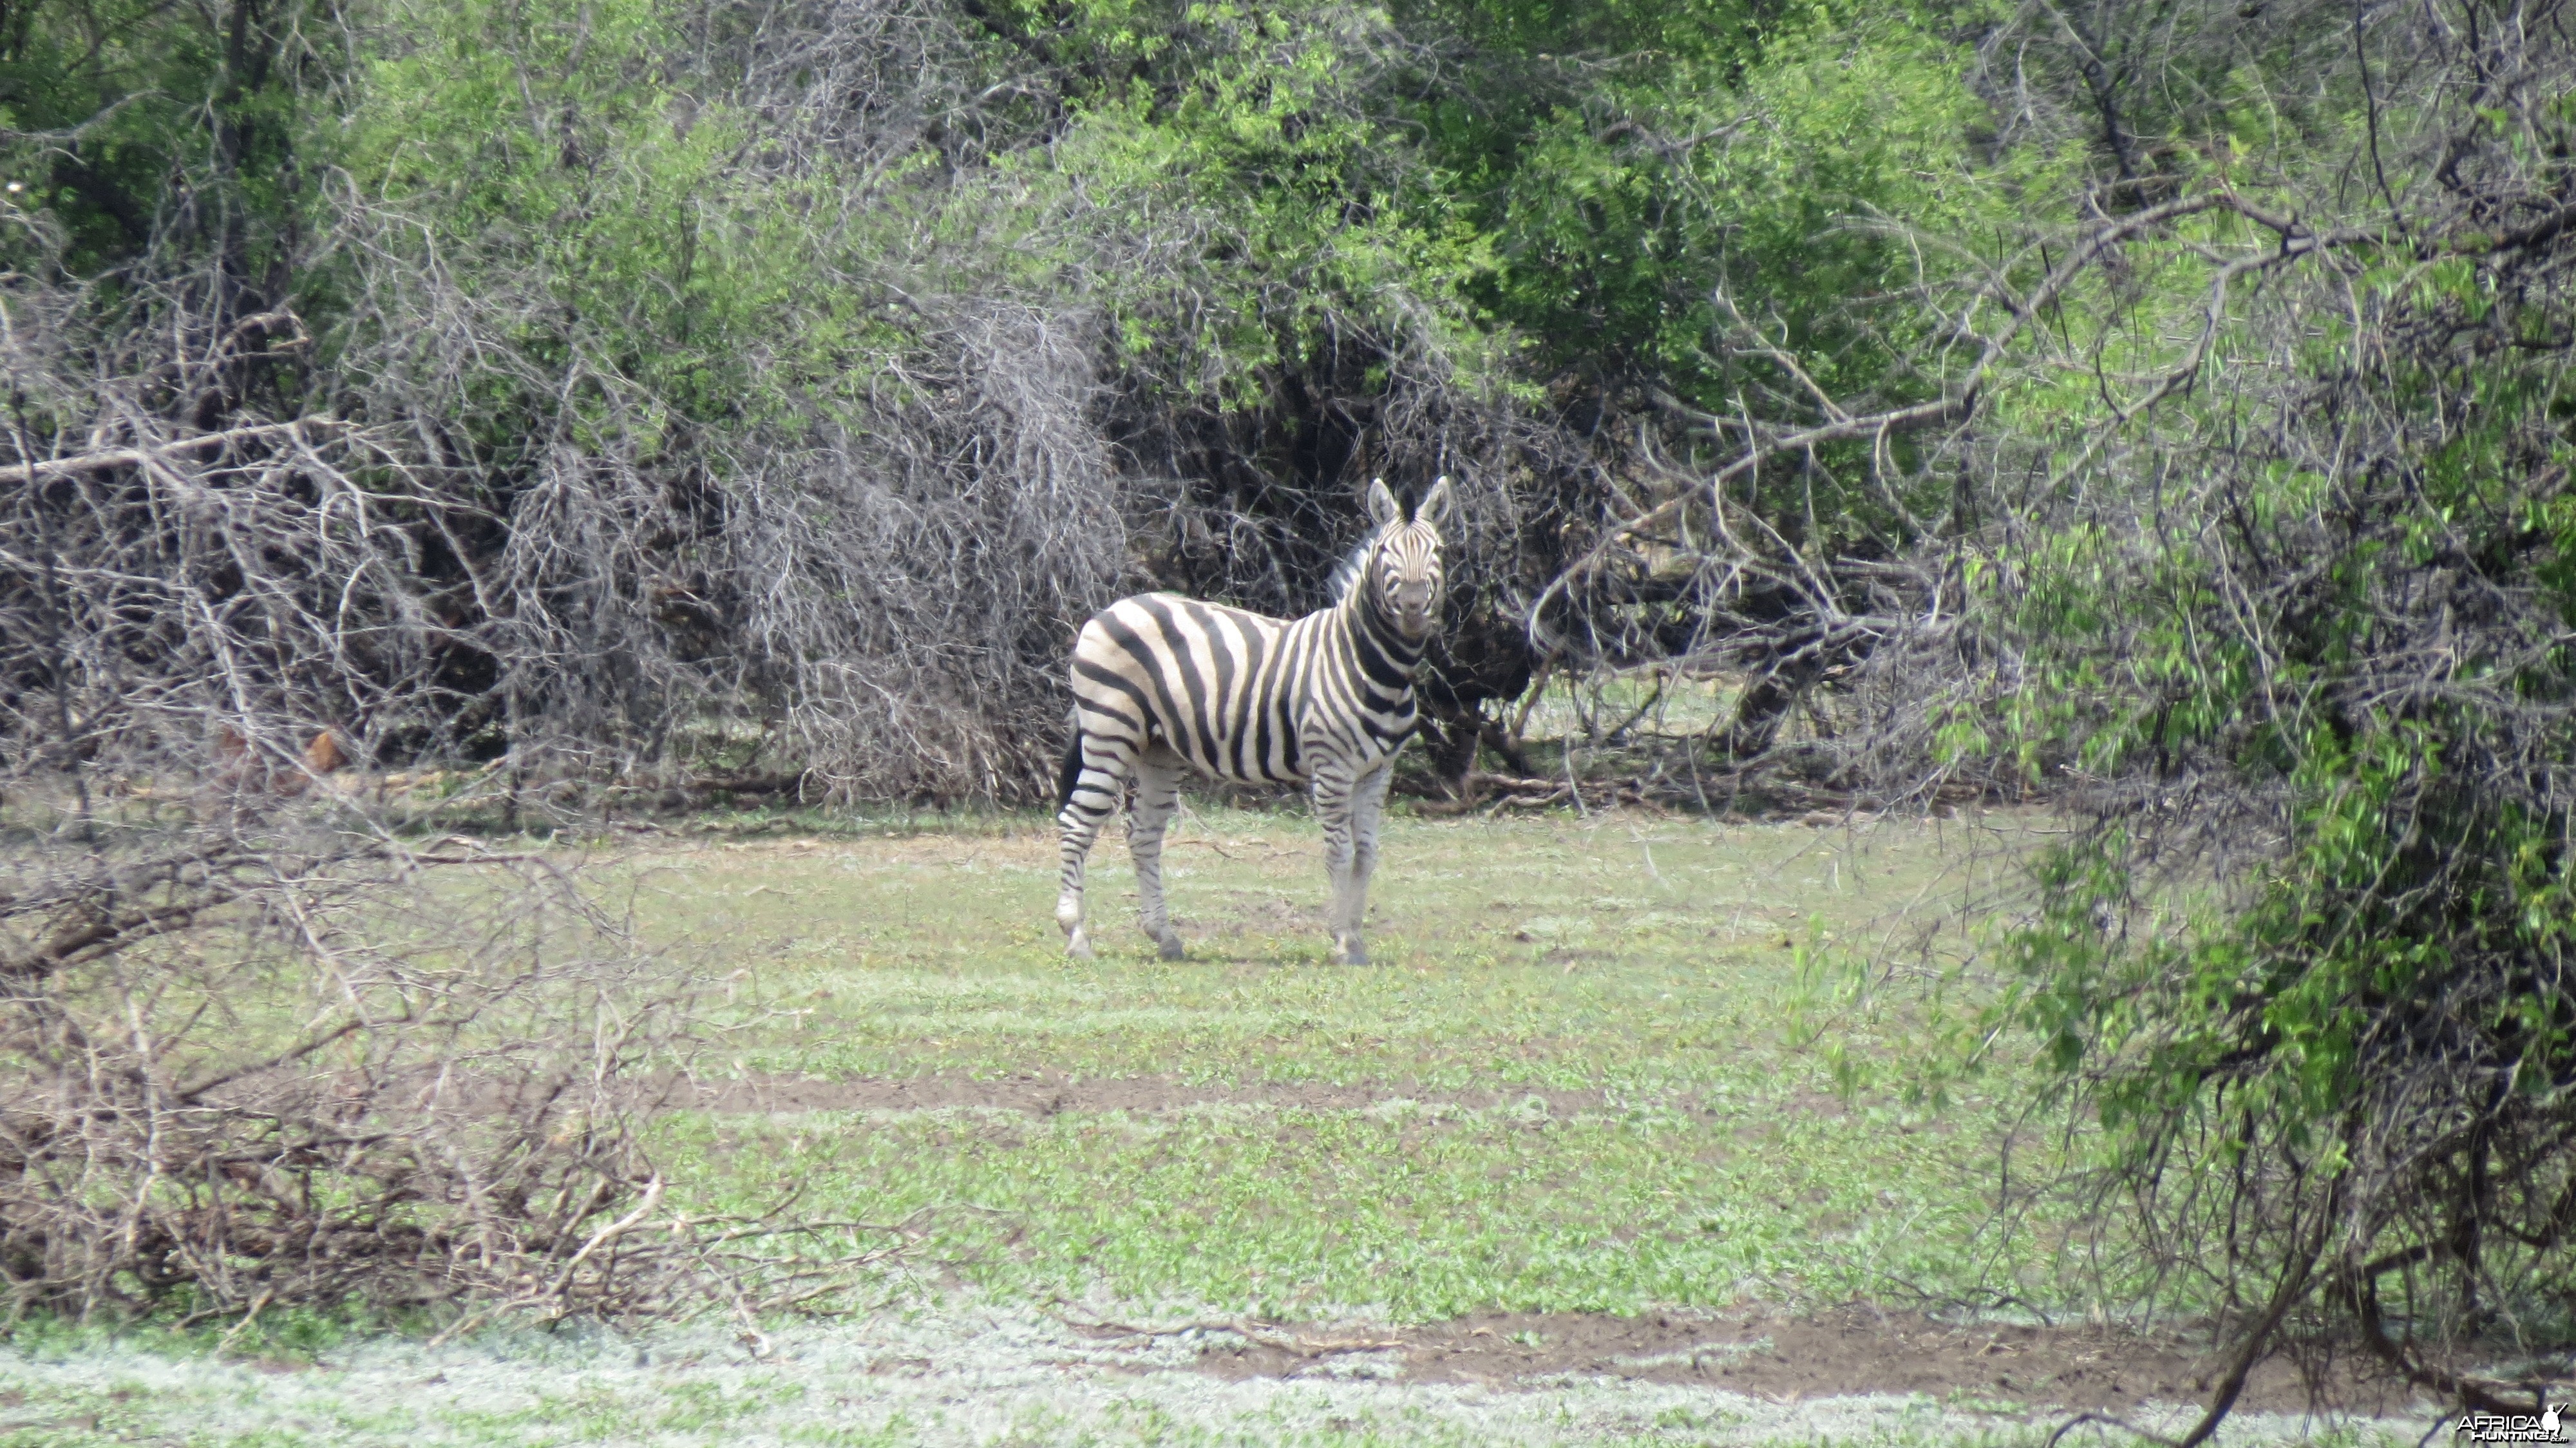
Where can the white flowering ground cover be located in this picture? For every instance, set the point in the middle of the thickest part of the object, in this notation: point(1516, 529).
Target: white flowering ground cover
point(993, 1377)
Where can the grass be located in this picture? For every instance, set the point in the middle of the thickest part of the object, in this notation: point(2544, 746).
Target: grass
point(1418, 1215)
point(1620, 954)
point(1578, 1078)
point(1650, 964)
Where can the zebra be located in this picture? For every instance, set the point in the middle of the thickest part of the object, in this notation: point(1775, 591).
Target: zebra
point(1161, 682)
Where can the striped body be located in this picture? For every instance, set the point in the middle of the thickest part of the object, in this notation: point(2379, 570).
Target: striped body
point(1239, 696)
point(1162, 683)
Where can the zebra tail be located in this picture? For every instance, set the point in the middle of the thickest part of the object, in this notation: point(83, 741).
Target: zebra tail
point(1071, 772)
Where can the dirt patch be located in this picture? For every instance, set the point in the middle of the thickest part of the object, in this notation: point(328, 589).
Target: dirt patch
point(1789, 1359)
point(1253, 915)
point(1048, 1094)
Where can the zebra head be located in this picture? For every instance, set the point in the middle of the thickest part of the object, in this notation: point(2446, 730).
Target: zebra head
point(1403, 569)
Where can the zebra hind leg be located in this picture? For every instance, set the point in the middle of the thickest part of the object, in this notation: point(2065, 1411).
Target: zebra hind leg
point(1095, 783)
point(1157, 796)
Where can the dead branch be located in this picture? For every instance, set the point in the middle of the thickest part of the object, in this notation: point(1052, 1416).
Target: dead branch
point(159, 455)
point(1267, 1335)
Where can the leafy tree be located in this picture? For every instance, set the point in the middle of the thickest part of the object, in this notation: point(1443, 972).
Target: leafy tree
point(2289, 618)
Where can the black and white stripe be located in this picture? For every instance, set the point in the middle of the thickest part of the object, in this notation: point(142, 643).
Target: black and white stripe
point(1162, 682)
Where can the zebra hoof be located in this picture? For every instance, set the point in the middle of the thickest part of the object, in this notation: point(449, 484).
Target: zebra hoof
point(1350, 953)
point(1171, 948)
point(1078, 945)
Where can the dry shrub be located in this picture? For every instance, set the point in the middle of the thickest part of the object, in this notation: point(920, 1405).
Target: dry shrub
point(270, 1042)
point(268, 1055)
point(263, 1060)
point(922, 577)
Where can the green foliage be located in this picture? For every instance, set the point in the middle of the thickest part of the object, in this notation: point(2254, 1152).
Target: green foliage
point(1660, 186)
point(114, 113)
point(1264, 138)
point(557, 160)
point(2402, 864)
point(1717, 156)
point(2308, 965)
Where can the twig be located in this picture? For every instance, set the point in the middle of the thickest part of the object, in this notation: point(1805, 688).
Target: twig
point(2105, 1419)
point(608, 1234)
point(108, 458)
point(1260, 1334)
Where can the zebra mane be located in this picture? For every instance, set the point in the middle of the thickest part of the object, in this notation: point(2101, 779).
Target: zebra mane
point(1354, 566)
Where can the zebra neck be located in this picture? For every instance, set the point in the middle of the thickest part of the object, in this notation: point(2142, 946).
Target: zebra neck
point(1372, 631)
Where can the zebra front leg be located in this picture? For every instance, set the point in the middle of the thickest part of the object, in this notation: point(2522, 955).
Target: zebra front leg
point(1333, 807)
point(1097, 781)
point(1158, 789)
point(1368, 815)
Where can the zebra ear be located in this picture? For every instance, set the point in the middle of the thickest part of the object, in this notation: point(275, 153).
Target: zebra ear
point(1381, 505)
point(1436, 505)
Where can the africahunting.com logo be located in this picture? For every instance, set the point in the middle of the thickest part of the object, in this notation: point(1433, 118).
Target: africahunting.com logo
point(2540, 1427)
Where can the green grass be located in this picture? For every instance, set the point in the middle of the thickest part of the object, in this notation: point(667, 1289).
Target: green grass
point(1419, 1214)
point(1649, 962)
point(1653, 956)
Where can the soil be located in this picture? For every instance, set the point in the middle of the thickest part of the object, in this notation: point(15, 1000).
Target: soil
point(1788, 1359)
